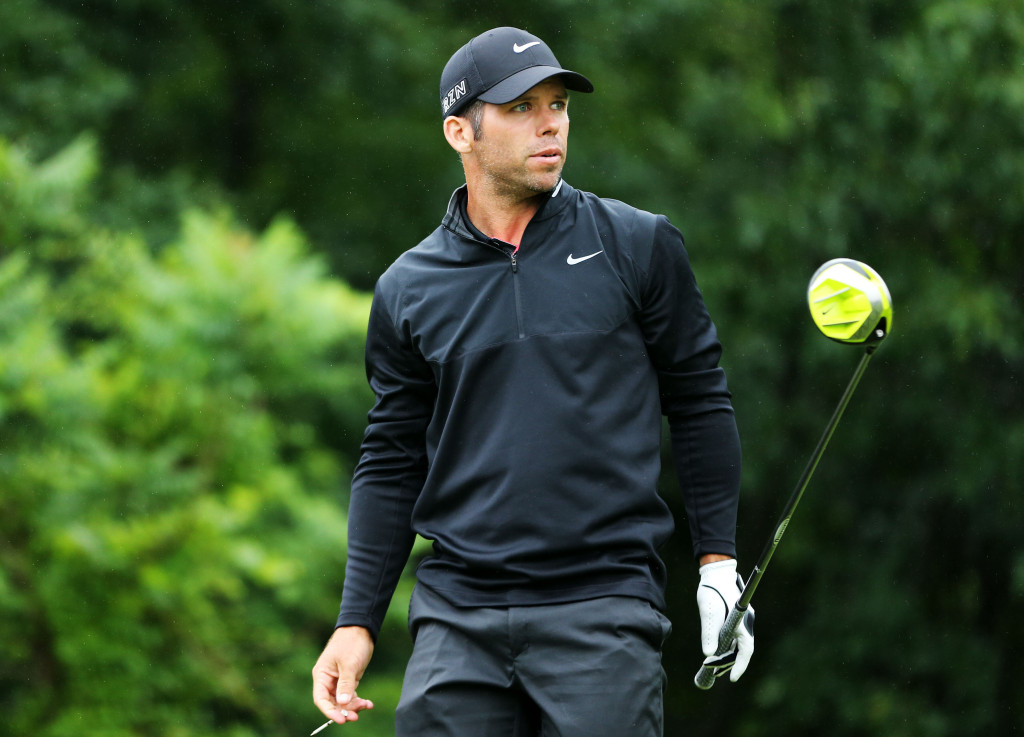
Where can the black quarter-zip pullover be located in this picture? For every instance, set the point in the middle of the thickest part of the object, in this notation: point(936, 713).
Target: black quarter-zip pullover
point(517, 421)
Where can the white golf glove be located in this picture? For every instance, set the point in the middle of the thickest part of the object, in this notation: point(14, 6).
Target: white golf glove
point(718, 591)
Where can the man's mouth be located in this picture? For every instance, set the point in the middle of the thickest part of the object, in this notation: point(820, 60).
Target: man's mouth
point(548, 154)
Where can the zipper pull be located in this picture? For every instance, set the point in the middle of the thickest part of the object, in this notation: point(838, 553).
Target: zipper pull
point(515, 265)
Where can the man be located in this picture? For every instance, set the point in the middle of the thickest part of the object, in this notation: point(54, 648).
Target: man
point(521, 357)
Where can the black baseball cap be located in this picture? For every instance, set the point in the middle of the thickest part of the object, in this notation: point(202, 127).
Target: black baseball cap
point(498, 66)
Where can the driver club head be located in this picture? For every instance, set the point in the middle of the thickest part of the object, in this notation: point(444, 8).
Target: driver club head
point(850, 303)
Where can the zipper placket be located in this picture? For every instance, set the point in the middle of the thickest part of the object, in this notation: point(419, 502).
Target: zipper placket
point(519, 301)
point(502, 246)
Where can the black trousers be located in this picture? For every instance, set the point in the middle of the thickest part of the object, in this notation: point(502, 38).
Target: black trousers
point(584, 669)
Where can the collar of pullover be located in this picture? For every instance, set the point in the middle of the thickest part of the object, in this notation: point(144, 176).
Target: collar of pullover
point(457, 221)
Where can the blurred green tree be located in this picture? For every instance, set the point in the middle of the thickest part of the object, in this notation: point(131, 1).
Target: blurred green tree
point(175, 435)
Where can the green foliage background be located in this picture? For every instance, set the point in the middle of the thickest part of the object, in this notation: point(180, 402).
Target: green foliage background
point(195, 199)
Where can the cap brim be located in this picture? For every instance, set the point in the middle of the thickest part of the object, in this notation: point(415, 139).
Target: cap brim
point(515, 85)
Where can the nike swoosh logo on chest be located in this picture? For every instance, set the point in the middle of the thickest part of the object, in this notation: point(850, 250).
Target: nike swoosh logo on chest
point(573, 261)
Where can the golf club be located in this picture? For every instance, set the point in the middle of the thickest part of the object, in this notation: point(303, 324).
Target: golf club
point(850, 304)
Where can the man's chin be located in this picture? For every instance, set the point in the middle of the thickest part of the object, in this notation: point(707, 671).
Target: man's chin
point(547, 182)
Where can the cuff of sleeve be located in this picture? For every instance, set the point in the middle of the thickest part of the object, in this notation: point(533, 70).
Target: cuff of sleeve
point(358, 620)
point(714, 547)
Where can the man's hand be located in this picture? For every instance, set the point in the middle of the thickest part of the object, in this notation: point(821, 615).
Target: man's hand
point(337, 672)
point(718, 591)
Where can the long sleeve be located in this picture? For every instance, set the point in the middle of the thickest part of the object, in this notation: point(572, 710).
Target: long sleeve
point(685, 350)
point(390, 473)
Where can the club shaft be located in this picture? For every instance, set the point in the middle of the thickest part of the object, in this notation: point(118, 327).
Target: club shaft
point(704, 678)
point(801, 485)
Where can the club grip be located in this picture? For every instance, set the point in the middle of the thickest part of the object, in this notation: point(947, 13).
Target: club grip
point(705, 677)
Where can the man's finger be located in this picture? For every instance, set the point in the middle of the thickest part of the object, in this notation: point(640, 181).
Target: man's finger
point(330, 710)
point(343, 713)
point(323, 697)
point(744, 645)
point(744, 651)
point(354, 706)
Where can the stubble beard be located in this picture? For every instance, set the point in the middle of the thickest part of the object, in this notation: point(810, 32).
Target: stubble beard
point(514, 182)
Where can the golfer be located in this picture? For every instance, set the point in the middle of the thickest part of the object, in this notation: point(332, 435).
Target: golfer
point(522, 357)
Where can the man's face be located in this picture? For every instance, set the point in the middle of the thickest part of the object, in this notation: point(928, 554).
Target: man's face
point(522, 144)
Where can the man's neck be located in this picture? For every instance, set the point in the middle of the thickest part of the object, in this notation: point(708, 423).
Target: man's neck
point(501, 217)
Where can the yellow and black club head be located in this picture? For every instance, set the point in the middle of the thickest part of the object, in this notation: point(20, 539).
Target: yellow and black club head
point(850, 303)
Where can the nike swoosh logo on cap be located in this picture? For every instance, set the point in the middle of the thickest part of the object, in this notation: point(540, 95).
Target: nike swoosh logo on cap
point(573, 261)
point(520, 49)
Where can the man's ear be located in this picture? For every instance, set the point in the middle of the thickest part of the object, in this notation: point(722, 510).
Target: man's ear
point(459, 133)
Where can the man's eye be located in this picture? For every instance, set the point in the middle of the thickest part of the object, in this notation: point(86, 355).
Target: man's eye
point(521, 107)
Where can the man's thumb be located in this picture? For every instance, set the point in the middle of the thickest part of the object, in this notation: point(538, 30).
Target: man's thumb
point(346, 687)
